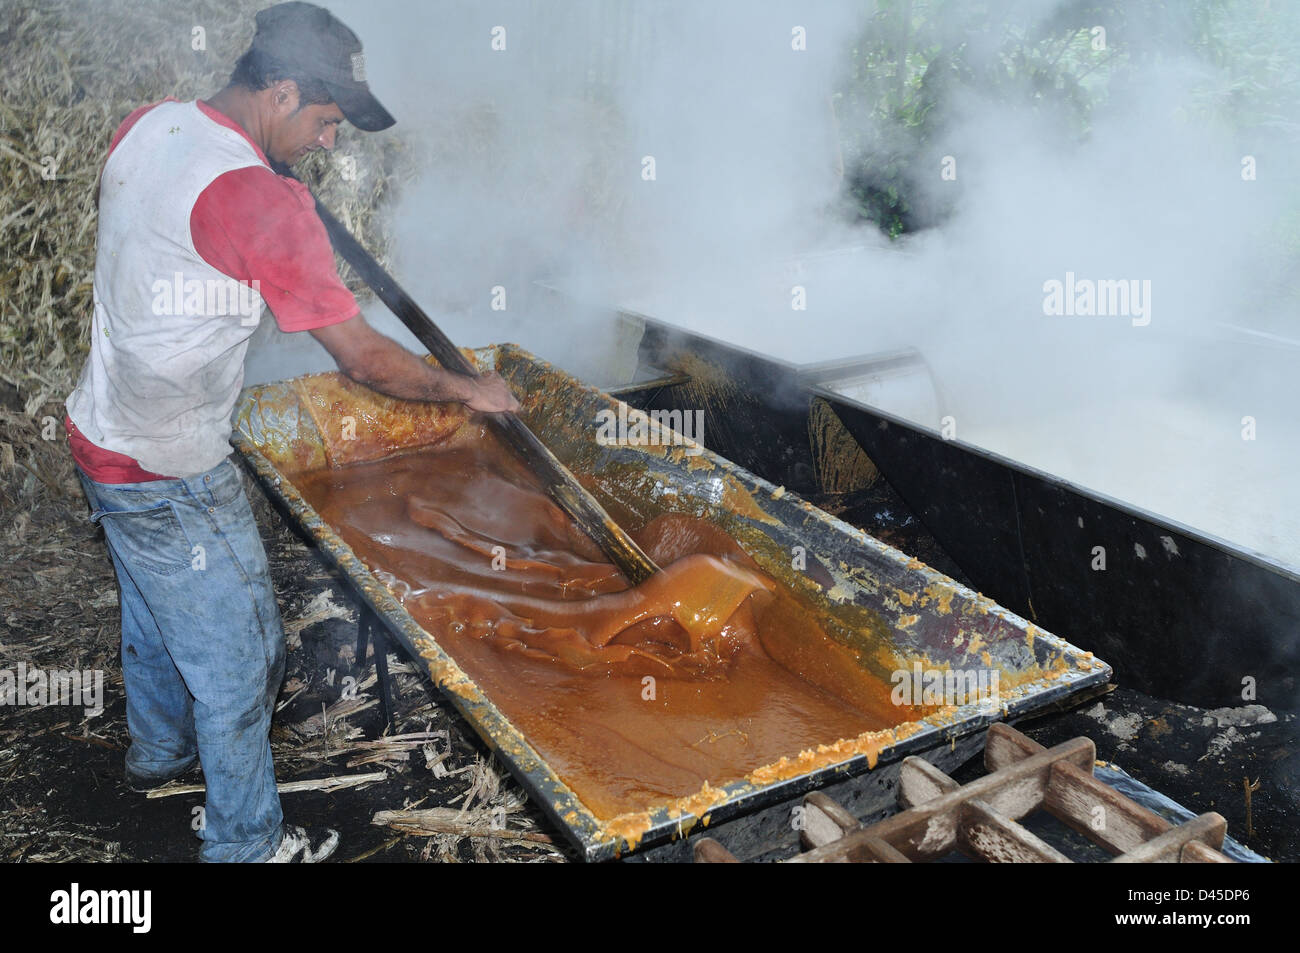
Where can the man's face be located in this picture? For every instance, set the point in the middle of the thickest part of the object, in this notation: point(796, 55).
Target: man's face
point(295, 132)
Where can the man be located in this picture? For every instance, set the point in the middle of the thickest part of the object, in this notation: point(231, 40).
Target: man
point(188, 201)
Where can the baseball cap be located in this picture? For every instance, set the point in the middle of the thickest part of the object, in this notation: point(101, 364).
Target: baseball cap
point(313, 40)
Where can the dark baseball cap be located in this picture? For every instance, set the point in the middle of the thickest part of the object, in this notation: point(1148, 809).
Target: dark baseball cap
point(311, 39)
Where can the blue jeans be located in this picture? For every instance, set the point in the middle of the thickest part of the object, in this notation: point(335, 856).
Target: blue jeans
point(202, 647)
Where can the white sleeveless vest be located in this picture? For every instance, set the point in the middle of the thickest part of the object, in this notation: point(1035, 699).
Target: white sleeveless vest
point(167, 350)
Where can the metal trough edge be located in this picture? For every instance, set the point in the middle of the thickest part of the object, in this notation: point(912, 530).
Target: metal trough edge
point(556, 799)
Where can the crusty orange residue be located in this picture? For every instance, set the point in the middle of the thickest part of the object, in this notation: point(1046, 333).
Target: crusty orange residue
point(699, 802)
point(448, 676)
point(358, 424)
point(632, 827)
point(288, 446)
point(980, 605)
point(942, 595)
point(738, 499)
point(629, 827)
point(869, 743)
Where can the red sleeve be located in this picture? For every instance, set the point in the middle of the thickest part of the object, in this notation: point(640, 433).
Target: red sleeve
point(254, 225)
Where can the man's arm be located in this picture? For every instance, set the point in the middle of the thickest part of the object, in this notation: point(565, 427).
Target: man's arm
point(251, 224)
point(379, 362)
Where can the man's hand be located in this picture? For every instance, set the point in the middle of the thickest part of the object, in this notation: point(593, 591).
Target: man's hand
point(490, 394)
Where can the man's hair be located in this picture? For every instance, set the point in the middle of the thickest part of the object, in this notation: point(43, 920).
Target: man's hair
point(257, 71)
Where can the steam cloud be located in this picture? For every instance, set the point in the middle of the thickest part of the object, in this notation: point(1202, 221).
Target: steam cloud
point(533, 160)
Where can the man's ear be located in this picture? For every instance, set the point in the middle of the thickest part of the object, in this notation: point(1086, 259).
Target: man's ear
point(284, 96)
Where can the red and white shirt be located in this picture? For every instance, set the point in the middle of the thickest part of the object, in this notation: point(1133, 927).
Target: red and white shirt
point(196, 232)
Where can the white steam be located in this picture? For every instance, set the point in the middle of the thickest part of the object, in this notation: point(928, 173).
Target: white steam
point(534, 161)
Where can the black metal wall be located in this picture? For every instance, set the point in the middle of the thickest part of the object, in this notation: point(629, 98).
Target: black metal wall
point(1177, 615)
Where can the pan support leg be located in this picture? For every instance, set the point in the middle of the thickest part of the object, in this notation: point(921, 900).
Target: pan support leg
point(370, 631)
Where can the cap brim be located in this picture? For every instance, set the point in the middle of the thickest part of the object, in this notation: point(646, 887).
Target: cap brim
point(361, 108)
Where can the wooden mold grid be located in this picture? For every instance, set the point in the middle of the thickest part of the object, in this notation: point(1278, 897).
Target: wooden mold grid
point(981, 819)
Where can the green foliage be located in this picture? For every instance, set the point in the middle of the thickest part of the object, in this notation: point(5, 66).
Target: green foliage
point(917, 62)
